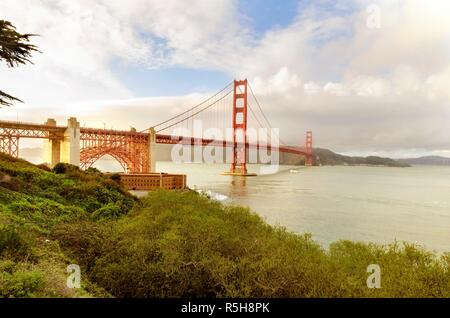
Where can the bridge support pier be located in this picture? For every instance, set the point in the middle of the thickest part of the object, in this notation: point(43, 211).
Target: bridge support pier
point(70, 147)
point(65, 149)
point(52, 146)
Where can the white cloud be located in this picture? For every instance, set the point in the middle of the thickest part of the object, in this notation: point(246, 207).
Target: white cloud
point(81, 39)
point(282, 82)
point(359, 89)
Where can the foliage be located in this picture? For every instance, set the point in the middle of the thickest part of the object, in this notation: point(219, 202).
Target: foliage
point(43, 166)
point(179, 244)
point(20, 284)
point(32, 202)
point(109, 211)
point(12, 242)
point(115, 177)
point(15, 49)
point(93, 170)
point(65, 191)
point(60, 168)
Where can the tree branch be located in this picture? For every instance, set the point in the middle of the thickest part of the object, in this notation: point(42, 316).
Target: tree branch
point(6, 99)
point(14, 50)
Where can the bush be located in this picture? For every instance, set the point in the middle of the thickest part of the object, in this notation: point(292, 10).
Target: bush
point(93, 170)
point(183, 245)
point(116, 178)
point(60, 168)
point(20, 284)
point(12, 242)
point(84, 241)
point(110, 211)
point(407, 270)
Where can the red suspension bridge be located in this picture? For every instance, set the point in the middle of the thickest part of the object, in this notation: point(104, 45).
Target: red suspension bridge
point(205, 124)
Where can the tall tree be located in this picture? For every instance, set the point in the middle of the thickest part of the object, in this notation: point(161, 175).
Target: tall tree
point(15, 49)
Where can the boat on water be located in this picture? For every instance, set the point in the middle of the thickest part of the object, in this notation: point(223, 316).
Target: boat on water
point(294, 171)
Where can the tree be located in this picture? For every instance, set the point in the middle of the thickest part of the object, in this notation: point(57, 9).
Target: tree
point(15, 50)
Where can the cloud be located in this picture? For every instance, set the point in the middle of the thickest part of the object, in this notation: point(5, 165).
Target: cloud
point(359, 88)
point(368, 90)
point(193, 33)
point(82, 40)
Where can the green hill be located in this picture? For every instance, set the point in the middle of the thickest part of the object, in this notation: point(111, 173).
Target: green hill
point(178, 244)
point(328, 158)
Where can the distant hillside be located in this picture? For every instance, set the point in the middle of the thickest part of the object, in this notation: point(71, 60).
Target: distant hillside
point(329, 158)
point(428, 160)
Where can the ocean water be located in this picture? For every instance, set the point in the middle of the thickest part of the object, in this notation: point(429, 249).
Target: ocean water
point(370, 204)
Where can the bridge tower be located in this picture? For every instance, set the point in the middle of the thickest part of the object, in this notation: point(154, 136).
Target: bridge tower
point(239, 163)
point(239, 122)
point(309, 148)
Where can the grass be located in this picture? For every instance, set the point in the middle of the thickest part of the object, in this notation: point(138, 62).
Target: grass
point(179, 244)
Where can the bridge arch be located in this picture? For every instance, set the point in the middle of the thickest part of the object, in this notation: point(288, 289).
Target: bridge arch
point(91, 155)
point(130, 148)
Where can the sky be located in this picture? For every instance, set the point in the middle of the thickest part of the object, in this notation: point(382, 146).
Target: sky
point(368, 77)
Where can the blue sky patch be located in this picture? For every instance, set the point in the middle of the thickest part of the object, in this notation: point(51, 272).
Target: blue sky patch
point(168, 81)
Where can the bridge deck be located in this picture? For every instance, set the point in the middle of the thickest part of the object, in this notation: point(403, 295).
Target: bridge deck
point(10, 129)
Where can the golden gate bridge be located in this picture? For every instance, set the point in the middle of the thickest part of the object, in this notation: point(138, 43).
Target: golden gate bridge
point(134, 149)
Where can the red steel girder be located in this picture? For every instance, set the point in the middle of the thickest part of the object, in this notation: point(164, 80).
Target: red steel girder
point(10, 146)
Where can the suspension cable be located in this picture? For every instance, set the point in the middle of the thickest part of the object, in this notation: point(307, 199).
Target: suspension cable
point(196, 113)
point(259, 105)
point(190, 109)
point(264, 115)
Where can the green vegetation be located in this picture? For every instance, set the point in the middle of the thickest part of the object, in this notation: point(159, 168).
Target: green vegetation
point(174, 244)
point(33, 200)
point(328, 158)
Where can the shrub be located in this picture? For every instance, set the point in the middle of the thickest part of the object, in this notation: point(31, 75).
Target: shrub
point(85, 241)
point(407, 270)
point(109, 211)
point(93, 170)
point(13, 242)
point(116, 177)
point(24, 208)
point(20, 284)
point(60, 168)
point(183, 245)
